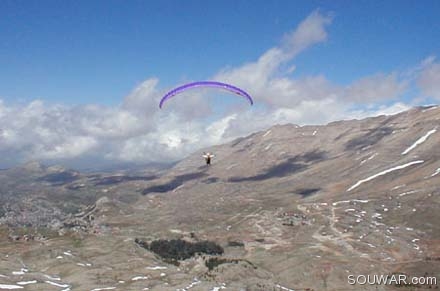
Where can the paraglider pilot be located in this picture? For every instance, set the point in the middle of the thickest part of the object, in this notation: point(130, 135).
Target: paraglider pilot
point(208, 157)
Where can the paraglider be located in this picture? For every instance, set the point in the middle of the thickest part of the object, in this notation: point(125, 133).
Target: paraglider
point(208, 157)
point(209, 84)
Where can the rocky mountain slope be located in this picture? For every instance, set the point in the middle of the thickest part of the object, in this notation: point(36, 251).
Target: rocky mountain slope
point(294, 208)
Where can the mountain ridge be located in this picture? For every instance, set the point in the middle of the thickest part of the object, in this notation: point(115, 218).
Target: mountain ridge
point(305, 205)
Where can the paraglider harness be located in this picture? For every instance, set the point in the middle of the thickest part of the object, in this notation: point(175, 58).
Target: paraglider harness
point(208, 157)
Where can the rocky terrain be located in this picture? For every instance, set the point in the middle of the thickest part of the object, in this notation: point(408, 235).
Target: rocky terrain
point(291, 208)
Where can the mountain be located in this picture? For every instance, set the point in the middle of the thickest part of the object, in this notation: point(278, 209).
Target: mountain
point(292, 208)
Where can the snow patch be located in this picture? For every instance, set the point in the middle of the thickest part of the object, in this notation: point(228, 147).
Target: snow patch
point(436, 172)
point(181, 186)
point(10, 287)
point(361, 201)
point(430, 108)
point(383, 173)
point(157, 268)
point(192, 284)
point(419, 141)
point(52, 278)
point(139, 278)
point(399, 186)
point(371, 157)
point(56, 284)
point(409, 192)
point(27, 282)
point(283, 288)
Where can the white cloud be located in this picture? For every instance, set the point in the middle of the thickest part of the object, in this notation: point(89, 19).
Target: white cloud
point(309, 32)
point(429, 78)
point(375, 88)
point(267, 83)
point(261, 78)
point(70, 147)
point(217, 129)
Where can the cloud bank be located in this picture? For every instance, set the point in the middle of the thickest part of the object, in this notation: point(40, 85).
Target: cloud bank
point(137, 132)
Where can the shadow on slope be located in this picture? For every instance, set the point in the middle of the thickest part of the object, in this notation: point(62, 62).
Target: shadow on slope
point(211, 180)
point(61, 178)
point(307, 191)
point(370, 138)
point(173, 184)
point(290, 166)
point(119, 179)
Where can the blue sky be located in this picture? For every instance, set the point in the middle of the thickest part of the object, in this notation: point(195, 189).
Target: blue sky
point(80, 81)
point(98, 51)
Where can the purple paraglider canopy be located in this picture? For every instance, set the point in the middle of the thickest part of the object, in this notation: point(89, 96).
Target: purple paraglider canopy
point(213, 84)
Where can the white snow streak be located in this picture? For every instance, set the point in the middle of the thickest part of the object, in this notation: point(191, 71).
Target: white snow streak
point(56, 284)
point(283, 288)
point(430, 108)
point(52, 278)
point(267, 132)
point(218, 288)
point(21, 272)
point(419, 141)
point(361, 200)
point(409, 192)
point(27, 282)
point(348, 201)
point(181, 186)
point(384, 173)
point(436, 172)
point(139, 278)
point(195, 282)
point(156, 268)
point(372, 156)
point(399, 186)
point(10, 287)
